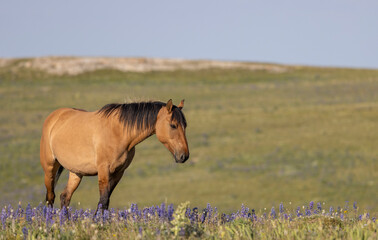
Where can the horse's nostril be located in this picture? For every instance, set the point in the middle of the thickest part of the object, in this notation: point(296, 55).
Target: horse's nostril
point(184, 157)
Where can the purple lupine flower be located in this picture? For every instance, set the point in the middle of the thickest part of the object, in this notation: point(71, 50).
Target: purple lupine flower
point(373, 219)
point(44, 211)
point(319, 206)
point(3, 217)
point(194, 215)
point(311, 205)
point(215, 214)
point(187, 212)
point(367, 215)
point(254, 217)
point(141, 232)
point(28, 213)
point(10, 208)
point(171, 210)
point(360, 217)
point(62, 215)
point(105, 216)
point(355, 205)
point(273, 213)
point(86, 214)
point(331, 210)
point(162, 211)
point(145, 213)
point(40, 207)
point(209, 211)
point(281, 208)
point(25, 232)
point(203, 216)
point(75, 216)
point(298, 212)
point(19, 211)
point(152, 211)
point(342, 216)
point(223, 218)
point(244, 211)
point(49, 216)
point(308, 212)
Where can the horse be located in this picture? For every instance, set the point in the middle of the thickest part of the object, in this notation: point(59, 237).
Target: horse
point(103, 143)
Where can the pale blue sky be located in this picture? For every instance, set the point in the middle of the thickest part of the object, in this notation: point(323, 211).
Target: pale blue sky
point(321, 32)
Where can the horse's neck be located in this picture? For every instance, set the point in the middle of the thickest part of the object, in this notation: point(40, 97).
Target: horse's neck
point(136, 136)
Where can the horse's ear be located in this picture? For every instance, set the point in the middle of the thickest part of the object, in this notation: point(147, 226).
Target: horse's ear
point(169, 105)
point(181, 105)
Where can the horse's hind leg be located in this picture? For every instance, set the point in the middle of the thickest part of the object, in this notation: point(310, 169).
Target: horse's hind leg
point(50, 174)
point(72, 184)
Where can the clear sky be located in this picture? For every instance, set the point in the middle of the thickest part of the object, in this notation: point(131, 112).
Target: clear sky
point(316, 32)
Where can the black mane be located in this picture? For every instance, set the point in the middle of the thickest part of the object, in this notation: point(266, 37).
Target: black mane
point(141, 115)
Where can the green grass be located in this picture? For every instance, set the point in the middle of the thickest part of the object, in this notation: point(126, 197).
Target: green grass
point(255, 137)
point(185, 223)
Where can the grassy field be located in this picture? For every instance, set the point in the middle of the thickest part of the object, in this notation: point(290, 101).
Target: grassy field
point(255, 137)
point(184, 222)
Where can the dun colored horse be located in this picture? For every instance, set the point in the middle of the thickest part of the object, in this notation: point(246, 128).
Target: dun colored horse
point(103, 143)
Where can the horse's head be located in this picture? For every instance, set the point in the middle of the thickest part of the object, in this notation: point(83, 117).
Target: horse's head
point(170, 130)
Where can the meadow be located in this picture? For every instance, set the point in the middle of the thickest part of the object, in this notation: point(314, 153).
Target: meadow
point(257, 138)
point(165, 222)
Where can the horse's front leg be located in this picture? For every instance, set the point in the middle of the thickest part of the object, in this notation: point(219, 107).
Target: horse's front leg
point(104, 186)
point(108, 178)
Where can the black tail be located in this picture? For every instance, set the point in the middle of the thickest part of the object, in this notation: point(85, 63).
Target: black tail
point(60, 170)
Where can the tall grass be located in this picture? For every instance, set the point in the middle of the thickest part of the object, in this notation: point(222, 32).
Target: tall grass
point(165, 222)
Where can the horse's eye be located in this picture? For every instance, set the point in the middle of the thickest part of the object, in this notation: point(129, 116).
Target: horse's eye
point(173, 126)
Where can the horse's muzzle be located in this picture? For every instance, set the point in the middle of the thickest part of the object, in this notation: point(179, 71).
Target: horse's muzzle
point(181, 158)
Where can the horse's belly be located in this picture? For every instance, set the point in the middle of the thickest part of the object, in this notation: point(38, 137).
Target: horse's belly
point(85, 167)
point(75, 152)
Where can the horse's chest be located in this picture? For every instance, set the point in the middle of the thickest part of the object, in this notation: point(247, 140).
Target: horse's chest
point(122, 162)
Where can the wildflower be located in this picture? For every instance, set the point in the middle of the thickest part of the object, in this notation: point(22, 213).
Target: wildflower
point(244, 211)
point(3, 217)
point(311, 205)
point(355, 205)
point(204, 215)
point(281, 208)
point(308, 212)
point(331, 210)
point(273, 213)
point(194, 215)
point(319, 206)
point(298, 212)
point(105, 216)
point(28, 213)
point(63, 215)
point(25, 232)
point(171, 210)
